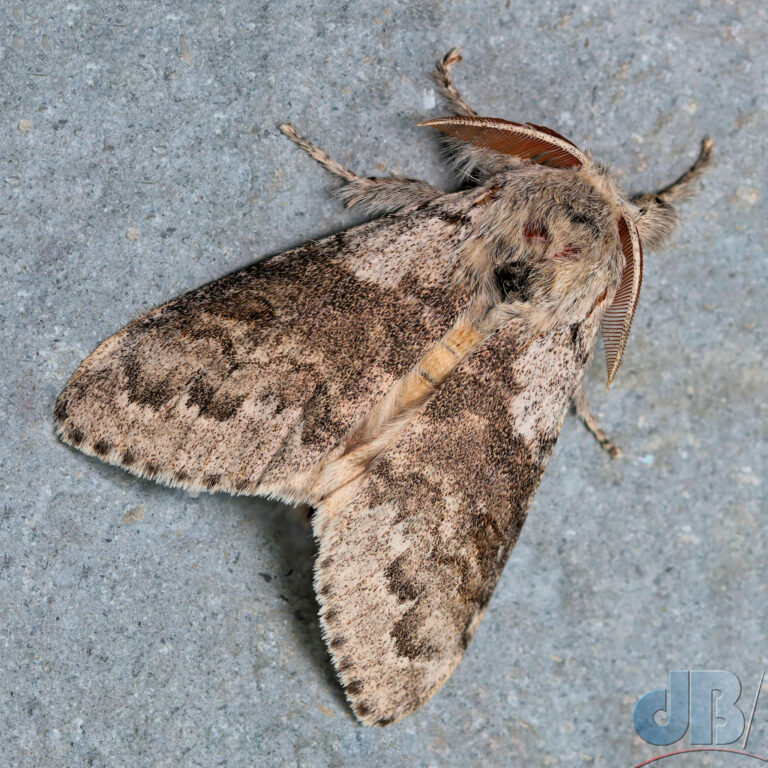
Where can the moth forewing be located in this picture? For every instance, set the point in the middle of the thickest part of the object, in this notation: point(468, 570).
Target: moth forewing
point(407, 564)
point(245, 384)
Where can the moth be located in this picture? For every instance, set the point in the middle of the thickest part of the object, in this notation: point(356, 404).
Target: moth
point(406, 378)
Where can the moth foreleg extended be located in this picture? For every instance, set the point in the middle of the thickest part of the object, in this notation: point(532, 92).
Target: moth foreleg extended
point(387, 194)
point(683, 188)
point(592, 424)
point(472, 161)
point(445, 85)
point(378, 194)
point(657, 217)
point(337, 169)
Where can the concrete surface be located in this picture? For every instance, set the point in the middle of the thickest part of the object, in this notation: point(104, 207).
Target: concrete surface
point(140, 158)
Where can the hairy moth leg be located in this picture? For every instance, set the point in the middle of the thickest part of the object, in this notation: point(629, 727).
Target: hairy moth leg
point(655, 224)
point(337, 169)
point(377, 195)
point(448, 90)
point(683, 188)
point(474, 162)
point(658, 217)
point(592, 424)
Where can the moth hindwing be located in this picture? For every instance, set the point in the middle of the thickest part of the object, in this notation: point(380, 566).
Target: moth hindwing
point(407, 378)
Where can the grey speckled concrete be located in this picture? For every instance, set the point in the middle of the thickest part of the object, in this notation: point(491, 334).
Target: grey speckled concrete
point(140, 158)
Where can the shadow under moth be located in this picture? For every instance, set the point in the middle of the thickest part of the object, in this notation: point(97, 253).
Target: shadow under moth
point(406, 378)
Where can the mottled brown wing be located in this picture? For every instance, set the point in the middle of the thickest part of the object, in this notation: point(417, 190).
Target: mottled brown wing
point(408, 563)
point(243, 384)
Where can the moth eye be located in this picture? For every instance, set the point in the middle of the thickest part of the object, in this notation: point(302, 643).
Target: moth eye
point(513, 281)
point(535, 232)
point(569, 251)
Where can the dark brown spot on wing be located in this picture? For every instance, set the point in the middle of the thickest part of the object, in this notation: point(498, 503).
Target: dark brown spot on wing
point(101, 447)
point(141, 390)
point(76, 436)
point(204, 396)
point(407, 636)
point(353, 688)
point(60, 410)
point(455, 219)
point(399, 580)
point(467, 632)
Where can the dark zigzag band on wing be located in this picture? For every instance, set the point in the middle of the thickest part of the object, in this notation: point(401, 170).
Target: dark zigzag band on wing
point(243, 384)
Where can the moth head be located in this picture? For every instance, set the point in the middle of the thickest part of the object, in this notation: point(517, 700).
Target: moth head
point(555, 237)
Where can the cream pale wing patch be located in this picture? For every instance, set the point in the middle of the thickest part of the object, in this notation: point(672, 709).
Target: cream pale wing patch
point(243, 384)
point(408, 560)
